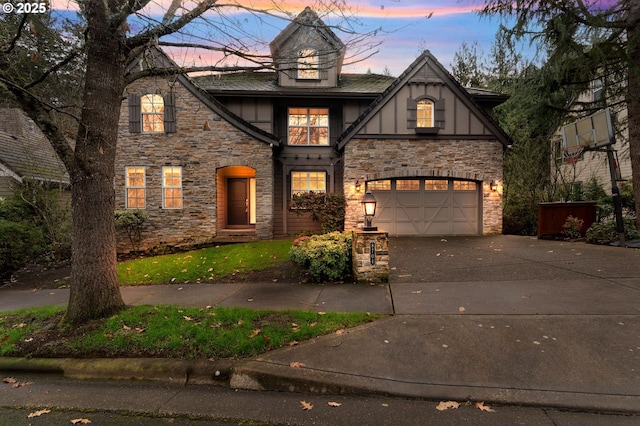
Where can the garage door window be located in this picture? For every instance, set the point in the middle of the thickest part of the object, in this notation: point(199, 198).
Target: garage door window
point(408, 185)
point(379, 185)
point(461, 185)
point(436, 185)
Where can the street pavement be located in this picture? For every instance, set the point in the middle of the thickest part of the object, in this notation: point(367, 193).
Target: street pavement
point(501, 319)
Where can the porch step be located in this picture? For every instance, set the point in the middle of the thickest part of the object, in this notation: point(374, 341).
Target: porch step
point(235, 236)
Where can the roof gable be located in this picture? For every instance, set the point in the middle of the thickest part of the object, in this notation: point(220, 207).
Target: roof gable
point(160, 60)
point(306, 20)
point(424, 71)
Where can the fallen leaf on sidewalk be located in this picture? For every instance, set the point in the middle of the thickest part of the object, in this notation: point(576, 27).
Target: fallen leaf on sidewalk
point(38, 413)
point(416, 292)
point(296, 364)
point(340, 332)
point(80, 421)
point(306, 406)
point(293, 343)
point(445, 405)
point(482, 407)
point(333, 404)
point(461, 309)
point(9, 380)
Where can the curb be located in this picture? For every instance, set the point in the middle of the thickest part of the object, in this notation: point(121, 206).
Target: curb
point(163, 370)
point(260, 376)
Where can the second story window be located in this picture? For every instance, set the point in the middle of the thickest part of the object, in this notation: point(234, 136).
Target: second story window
point(152, 113)
point(152, 108)
point(308, 64)
point(308, 126)
point(598, 89)
point(425, 113)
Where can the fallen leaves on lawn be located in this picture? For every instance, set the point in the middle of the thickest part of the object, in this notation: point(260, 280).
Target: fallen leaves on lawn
point(38, 413)
point(254, 333)
point(296, 364)
point(306, 406)
point(482, 407)
point(445, 405)
point(333, 404)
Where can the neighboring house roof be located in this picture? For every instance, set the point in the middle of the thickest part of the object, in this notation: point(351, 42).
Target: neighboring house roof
point(25, 150)
point(265, 84)
point(425, 58)
point(160, 60)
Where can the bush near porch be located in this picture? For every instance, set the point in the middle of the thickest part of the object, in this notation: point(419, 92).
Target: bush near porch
point(327, 257)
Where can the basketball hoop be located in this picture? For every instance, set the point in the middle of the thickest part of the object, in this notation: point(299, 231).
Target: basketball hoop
point(572, 154)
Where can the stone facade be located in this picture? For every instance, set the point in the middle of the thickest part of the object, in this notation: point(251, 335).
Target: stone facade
point(371, 159)
point(203, 144)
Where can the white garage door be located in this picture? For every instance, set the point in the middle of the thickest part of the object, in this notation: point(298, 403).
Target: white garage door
point(423, 206)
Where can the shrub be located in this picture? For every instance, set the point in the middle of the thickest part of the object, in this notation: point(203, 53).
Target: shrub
point(605, 232)
point(327, 257)
point(571, 227)
point(19, 243)
point(328, 209)
point(131, 223)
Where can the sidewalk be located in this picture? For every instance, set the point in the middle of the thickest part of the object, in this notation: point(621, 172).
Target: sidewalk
point(505, 319)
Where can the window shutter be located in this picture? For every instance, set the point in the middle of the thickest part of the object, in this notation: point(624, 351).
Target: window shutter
point(135, 116)
point(439, 113)
point(169, 113)
point(412, 113)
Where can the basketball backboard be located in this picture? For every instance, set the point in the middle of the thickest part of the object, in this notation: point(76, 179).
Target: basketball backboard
point(592, 132)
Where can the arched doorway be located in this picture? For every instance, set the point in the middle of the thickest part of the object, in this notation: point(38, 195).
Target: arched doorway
point(236, 197)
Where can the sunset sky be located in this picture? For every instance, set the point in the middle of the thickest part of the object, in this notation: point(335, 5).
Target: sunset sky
point(406, 29)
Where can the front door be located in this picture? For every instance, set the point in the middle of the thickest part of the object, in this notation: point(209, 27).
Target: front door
point(237, 202)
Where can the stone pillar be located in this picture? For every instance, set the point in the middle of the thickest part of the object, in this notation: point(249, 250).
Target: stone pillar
point(370, 256)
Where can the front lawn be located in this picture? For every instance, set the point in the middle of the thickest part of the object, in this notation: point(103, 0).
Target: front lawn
point(166, 332)
point(205, 265)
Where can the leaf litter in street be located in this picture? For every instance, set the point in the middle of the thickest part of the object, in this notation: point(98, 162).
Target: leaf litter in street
point(445, 405)
point(333, 404)
point(482, 407)
point(38, 413)
point(306, 406)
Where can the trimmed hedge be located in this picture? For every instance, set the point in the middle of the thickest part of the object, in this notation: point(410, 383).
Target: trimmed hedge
point(326, 257)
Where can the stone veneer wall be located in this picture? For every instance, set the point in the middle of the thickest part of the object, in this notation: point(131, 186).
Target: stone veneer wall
point(370, 159)
point(201, 149)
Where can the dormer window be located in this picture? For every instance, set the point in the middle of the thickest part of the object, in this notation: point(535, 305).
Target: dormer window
point(308, 64)
point(425, 113)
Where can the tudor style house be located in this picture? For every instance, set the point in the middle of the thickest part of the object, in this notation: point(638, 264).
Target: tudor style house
point(222, 155)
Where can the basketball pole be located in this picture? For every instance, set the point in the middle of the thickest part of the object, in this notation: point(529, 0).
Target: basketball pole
point(615, 192)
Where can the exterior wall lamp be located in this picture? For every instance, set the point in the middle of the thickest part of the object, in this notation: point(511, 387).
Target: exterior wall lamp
point(358, 186)
point(493, 186)
point(369, 209)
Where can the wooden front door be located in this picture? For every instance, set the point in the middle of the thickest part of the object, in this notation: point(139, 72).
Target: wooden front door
point(237, 202)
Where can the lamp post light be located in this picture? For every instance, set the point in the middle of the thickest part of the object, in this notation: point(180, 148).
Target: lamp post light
point(369, 208)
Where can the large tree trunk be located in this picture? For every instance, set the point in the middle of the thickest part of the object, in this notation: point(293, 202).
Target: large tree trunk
point(633, 101)
point(94, 284)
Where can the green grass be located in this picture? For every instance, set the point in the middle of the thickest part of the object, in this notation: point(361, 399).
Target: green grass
point(167, 332)
point(205, 265)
